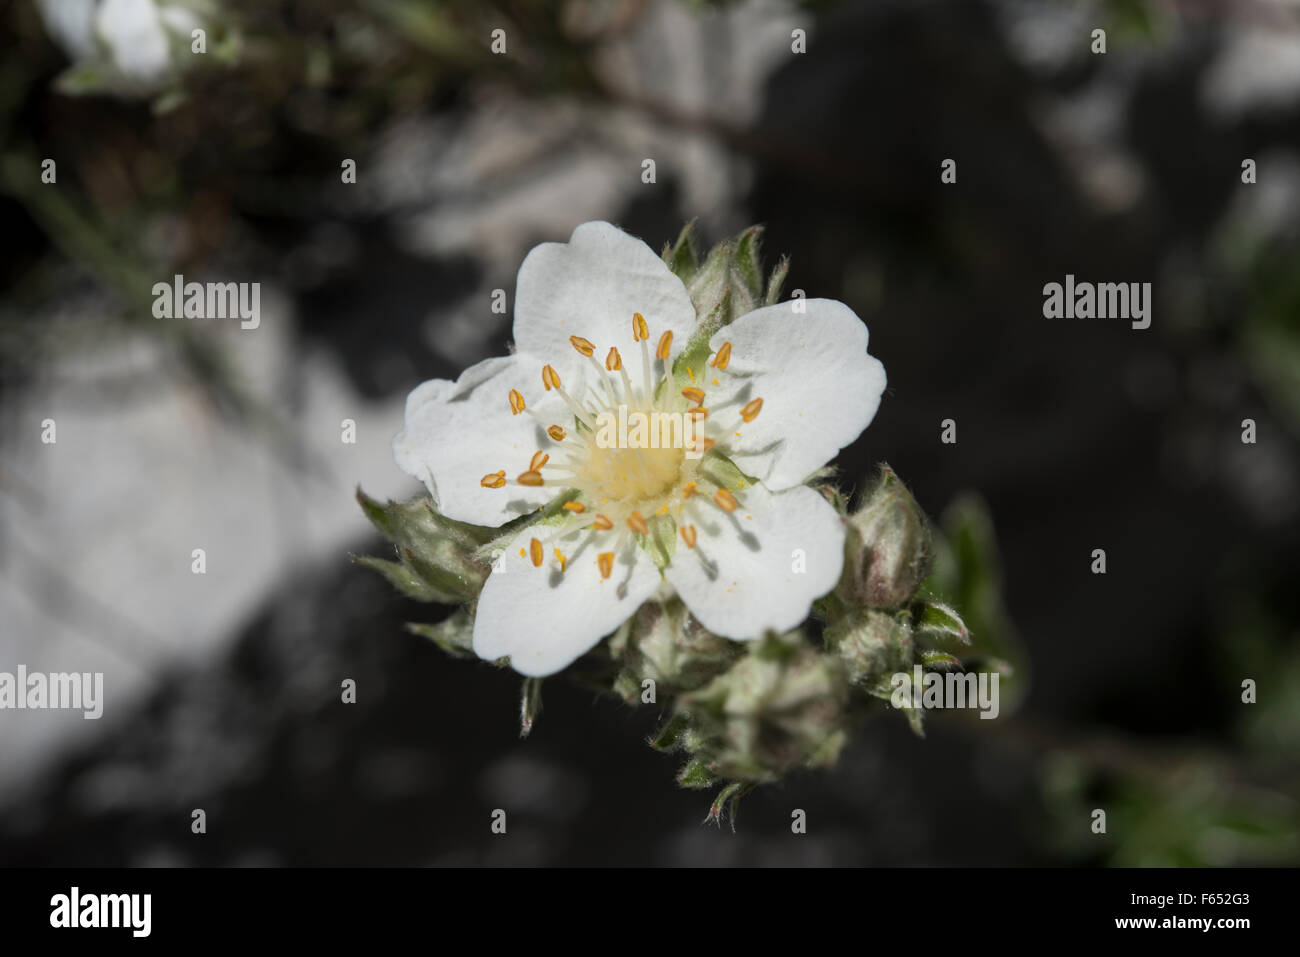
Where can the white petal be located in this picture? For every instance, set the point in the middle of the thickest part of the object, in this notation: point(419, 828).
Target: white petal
point(135, 35)
point(543, 618)
point(819, 388)
point(590, 287)
point(458, 432)
point(760, 567)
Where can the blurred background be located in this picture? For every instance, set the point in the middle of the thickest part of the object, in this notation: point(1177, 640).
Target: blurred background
point(222, 689)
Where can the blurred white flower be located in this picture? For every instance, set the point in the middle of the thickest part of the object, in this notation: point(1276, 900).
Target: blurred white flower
point(598, 323)
point(128, 47)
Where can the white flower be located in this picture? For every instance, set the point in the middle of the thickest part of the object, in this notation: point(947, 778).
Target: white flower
point(598, 323)
point(141, 42)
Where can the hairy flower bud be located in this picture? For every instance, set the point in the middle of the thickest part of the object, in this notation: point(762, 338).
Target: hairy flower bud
point(888, 548)
point(872, 647)
point(664, 643)
point(437, 559)
point(778, 708)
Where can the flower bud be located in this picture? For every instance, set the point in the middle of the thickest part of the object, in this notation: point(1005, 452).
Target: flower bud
point(664, 643)
point(130, 47)
point(778, 708)
point(437, 559)
point(872, 647)
point(888, 547)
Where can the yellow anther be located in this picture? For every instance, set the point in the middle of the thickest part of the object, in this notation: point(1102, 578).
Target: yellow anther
point(726, 501)
point(577, 508)
point(493, 479)
point(582, 345)
point(516, 402)
point(722, 357)
point(606, 562)
point(530, 478)
point(636, 522)
point(689, 535)
point(602, 523)
point(750, 412)
point(613, 361)
point(560, 557)
point(536, 553)
point(688, 490)
point(555, 432)
point(539, 459)
point(694, 394)
point(665, 344)
point(550, 378)
point(639, 329)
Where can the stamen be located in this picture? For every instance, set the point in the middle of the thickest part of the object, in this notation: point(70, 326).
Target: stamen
point(550, 378)
point(493, 479)
point(750, 412)
point(699, 412)
point(689, 535)
point(726, 501)
point(688, 490)
point(703, 445)
point(555, 432)
point(577, 508)
point(535, 553)
point(582, 345)
point(665, 344)
point(530, 478)
point(606, 562)
point(560, 557)
point(636, 522)
point(602, 523)
point(694, 394)
point(582, 414)
point(516, 402)
point(646, 384)
point(722, 358)
point(639, 328)
point(539, 459)
point(613, 361)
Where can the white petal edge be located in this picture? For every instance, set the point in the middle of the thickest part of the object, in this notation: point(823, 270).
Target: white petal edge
point(820, 388)
point(591, 287)
point(457, 432)
point(760, 567)
point(545, 619)
point(134, 33)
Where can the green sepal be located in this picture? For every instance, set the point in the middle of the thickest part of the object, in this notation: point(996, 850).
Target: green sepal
point(681, 256)
point(530, 705)
point(454, 634)
point(695, 774)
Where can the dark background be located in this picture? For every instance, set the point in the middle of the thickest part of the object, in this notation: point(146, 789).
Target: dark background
point(1078, 434)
